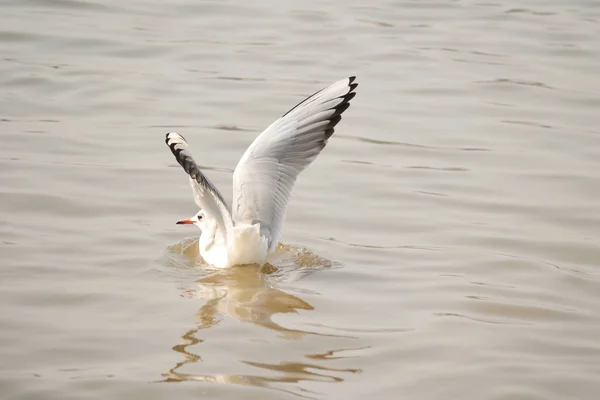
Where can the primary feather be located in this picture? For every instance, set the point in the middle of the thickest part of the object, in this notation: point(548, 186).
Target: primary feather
point(206, 195)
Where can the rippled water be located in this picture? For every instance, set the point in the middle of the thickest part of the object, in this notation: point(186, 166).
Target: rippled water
point(444, 245)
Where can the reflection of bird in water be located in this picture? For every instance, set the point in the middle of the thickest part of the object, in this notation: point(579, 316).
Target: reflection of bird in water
point(244, 293)
point(249, 294)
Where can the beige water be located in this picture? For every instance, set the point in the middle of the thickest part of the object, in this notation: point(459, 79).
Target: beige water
point(444, 245)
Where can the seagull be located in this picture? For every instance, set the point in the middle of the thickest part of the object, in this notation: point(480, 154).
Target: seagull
point(262, 181)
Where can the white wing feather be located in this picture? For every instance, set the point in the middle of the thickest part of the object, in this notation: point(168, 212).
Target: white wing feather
point(266, 173)
point(206, 195)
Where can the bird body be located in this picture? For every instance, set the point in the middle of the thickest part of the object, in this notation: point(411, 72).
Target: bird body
point(262, 180)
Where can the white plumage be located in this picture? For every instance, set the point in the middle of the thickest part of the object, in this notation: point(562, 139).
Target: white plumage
point(263, 179)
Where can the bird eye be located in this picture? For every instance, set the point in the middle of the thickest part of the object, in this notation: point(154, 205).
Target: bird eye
point(199, 217)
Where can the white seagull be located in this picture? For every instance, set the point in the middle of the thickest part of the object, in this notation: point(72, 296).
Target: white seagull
point(262, 180)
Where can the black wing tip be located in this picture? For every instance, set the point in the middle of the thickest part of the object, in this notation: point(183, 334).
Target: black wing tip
point(333, 121)
point(168, 136)
point(341, 107)
point(172, 143)
point(351, 83)
point(345, 103)
point(183, 158)
point(348, 96)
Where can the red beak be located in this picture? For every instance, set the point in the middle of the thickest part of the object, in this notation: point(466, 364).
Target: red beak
point(185, 222)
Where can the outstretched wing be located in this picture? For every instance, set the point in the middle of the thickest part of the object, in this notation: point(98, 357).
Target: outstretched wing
point(266, 173)
point(206, 195)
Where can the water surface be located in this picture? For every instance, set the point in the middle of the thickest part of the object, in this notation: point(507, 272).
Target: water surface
point(444, 245)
